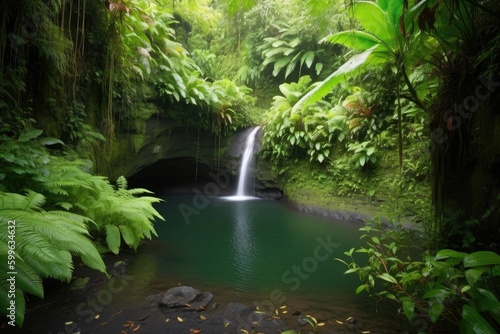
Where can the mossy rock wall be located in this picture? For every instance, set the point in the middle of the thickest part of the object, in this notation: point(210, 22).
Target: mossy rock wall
point(168, 156)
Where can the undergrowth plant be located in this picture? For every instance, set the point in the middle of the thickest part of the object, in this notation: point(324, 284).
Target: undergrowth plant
point(43, 243)
point(117, 212)
point(312, 132)
point(60, 210)
point(442, 288)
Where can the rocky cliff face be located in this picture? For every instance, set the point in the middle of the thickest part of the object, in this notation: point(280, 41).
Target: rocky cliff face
point(173, 158)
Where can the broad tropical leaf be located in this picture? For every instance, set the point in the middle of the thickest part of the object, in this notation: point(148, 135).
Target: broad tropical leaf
point(352, 66)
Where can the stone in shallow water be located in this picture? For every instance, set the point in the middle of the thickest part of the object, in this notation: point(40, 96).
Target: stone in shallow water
point(178, 296)
point(187, 297)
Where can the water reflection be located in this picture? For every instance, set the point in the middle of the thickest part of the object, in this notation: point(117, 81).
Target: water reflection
point(242, 242)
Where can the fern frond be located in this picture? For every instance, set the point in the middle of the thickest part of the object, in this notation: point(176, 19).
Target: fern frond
point(113, 238)
point(122, 183)
point(138, 191)
point(26, 278)
point(129, 236)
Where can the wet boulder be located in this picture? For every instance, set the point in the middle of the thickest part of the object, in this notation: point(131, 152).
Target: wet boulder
point(186, 296)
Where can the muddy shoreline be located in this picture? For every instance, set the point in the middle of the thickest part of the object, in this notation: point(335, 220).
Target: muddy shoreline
point(91, 308)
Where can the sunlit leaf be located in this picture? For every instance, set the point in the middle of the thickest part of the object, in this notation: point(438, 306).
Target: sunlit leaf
point(481, 258)
point(388, 278)
point(319, 91)
point(25, 136)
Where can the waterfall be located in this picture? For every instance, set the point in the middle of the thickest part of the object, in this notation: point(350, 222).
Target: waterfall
point(246, 164)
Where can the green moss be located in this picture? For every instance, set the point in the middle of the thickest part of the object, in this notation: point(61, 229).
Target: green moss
point(339, 187)
point(311, 186)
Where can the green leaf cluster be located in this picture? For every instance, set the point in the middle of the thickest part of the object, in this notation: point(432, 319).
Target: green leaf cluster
point(312, 132)
point(44, 241)
point(348, 127)
point(60, 211)
point(455, 286)
point(287, 51)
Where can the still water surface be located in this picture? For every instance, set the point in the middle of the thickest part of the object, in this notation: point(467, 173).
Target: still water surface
point(254, 251)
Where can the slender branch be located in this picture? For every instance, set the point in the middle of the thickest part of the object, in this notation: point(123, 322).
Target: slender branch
point(400, 119)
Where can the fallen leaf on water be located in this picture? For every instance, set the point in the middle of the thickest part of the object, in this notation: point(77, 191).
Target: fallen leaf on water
point(180, 319)
point(365, 332)
point(167, 320)
point(348, 319)
point(202, 308)
point(68, 323)
point(276, 311)
point(339, 322)
point(244, 331)
point(97, 316)
point(226, 324)
point(255, 323)
point(321, 324)
point(202, 317)
point(195, 331)
point(285, 312)
point(187, 305)
point(124, 332)
point(282, 307)
point(135, 329)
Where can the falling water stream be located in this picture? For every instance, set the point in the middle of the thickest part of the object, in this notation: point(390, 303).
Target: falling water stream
point(242, 192)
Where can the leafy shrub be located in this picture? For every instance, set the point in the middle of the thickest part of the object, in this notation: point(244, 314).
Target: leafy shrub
point(363, 153)
point(114, 211)
point(311, 132)
point(449, 285)
point(60, 209)
point(289, 51)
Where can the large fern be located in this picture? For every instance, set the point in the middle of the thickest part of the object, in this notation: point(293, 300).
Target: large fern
point(44, 244)
point(114, 213)
point(27, 280)
point(120, 214)
point(62, 211)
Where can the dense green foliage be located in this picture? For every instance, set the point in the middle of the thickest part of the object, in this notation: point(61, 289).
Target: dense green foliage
point(60, 210)
point(351, 96)
point(331, 120)
point(456, 286)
